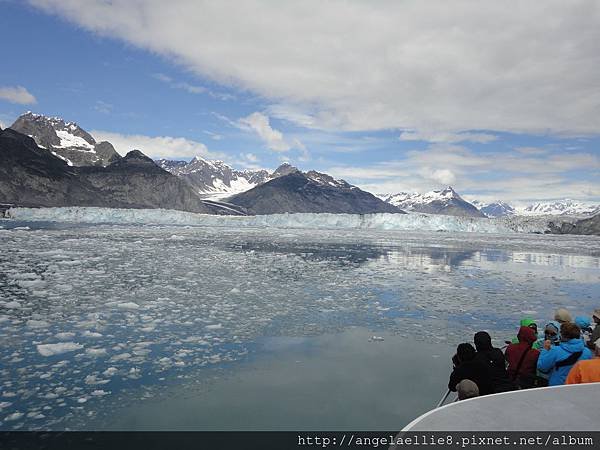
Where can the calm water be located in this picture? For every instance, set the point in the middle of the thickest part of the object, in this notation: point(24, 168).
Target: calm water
point(111, 327)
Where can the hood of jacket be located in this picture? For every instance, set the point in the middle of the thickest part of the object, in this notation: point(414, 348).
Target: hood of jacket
point(483, 341)
point(582, 322)
point(527, 335)
point(527, 321)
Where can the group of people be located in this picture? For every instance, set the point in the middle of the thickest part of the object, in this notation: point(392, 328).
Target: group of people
point(567, 351)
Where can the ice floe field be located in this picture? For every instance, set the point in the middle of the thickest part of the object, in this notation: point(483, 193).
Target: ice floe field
point(95, 319)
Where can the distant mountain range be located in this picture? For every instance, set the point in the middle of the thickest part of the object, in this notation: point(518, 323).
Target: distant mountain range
point(564, 207)
point(215, 179)
point(446, 201)
point(45, 161)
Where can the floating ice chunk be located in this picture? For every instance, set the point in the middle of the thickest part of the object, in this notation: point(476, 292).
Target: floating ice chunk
point(14, 416)
point(50, 396)
point(31, 283)
point(376, 339)
point(120, 357)
point(37, 323)
point(57, 349)
point(217, 326)
point(91, 379)
point(91, 334)
point(110, 371)
point(99, 393)
point(235, 291)
point(95, 352)
point(12, 305)
point(64, 335)
point(82, 400)
point(128, 305)
point(4, 405)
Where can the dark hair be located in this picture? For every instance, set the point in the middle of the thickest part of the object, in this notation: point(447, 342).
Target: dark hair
point(569, 330)
point(465, 352)
point(483, 341)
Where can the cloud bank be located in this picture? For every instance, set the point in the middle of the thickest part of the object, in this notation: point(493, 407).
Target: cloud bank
point(155, 146)
point(513, 66)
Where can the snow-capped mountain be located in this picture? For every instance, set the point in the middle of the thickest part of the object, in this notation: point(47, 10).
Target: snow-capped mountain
point(564, 207)
point(66, 140)
point(494, 209)
point(214, 179)
point(446, 201)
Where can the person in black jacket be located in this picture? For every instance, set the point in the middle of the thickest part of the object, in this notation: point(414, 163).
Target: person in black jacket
point(466, 367)
point(494, 358)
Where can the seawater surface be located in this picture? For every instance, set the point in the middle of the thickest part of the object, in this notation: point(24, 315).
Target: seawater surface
point(157, 327)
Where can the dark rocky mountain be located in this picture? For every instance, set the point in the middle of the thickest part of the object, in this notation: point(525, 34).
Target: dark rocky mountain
point(66, 140)
point(312, 192)
point(588, 226)
point(284, 169)
point(446, 201)
point(137, 181)
point(32, 176)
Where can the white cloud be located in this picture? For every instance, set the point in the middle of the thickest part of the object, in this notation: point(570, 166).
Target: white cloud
point(443, 176)
point(213, 136)
point(17, 94)
point(191, 88)
point(156, 146)
point(513, 66)
point(259, 123)
point(447, 137)
point(103, 107)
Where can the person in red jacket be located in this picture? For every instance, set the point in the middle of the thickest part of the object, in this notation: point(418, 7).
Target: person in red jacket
point(522, 359)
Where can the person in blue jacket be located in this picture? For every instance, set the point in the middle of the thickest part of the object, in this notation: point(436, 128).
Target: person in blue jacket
point(557, 360)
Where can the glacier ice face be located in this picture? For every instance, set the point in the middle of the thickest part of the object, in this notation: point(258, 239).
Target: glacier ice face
point(423, 222)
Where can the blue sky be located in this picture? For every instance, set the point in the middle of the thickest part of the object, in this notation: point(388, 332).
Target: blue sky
point(391, 97)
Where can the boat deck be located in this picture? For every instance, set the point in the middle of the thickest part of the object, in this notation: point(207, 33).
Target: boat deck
point(556, 408)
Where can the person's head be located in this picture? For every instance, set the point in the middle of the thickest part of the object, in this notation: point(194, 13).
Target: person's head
point(562, 315)
point(569, 330)
point(465, 352)
point(528, 322)
point(527, 335)
point(483, 341)
point(582, 322)
point(467, 389)
point(551, 331)
point(596, 315)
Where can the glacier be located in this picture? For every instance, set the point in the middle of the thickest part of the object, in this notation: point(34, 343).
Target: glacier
point(380, 221)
